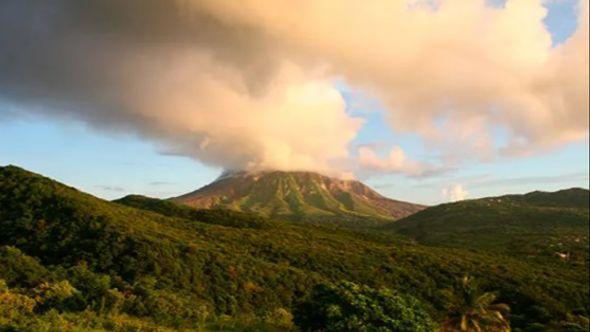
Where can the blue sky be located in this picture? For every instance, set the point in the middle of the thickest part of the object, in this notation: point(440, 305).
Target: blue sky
point(113, 165)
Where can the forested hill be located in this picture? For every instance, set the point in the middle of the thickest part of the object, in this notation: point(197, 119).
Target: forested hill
point(537, 224)
point(224, 217)
point(577, 198)
point(70, 261)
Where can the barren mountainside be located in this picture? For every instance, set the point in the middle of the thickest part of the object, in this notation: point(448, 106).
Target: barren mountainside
point(296, 195)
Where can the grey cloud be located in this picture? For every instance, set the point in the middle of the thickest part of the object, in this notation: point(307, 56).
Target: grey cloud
point(110, 188)
point(527, 180)
point(193, 83)
point(487, 180)
point(160, 183)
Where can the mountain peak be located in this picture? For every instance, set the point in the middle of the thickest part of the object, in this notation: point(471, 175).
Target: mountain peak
point(296, 195)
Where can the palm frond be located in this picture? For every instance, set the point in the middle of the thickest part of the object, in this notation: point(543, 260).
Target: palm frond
point(501, 307)
point(486, 299)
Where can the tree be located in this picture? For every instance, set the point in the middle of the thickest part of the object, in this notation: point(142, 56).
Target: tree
point(13, 305)
point(473, 310)
point(54, 295)
point(346, 306)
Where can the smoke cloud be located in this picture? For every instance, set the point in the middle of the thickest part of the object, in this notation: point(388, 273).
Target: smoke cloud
point(249, 84)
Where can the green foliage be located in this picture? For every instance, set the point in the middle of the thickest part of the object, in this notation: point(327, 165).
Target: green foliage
point(576, 198)
point(222, 217)
point(163, 305)
point(539, 226)
point(472, 310)
point(145, 267)
point(93, 287)
point(20, 269)
point(13, 305)
point(280, 317)
point(54, 295)
point(346, 306)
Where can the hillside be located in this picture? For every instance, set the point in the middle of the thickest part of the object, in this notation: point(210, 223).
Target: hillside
point(577, 198)
point(296, 196)
point(85, 263)
point(222, 217)
point(534, 224)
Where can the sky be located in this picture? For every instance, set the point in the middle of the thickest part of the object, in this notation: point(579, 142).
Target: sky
point(427, 102)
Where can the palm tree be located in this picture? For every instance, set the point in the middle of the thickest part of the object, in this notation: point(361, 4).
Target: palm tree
point(472, 310)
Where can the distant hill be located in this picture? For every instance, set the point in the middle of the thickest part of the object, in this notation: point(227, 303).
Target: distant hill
point(296, 196)
point(572, 198)
point(88, 264)
point(534, 224)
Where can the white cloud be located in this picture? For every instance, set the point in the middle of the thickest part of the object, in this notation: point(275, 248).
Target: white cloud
point(455, 193)
point(249, 84)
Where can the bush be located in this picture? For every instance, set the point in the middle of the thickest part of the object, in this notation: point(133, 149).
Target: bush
point(20, 269)
point(346, 306)
point(13, 305)
point(54, 295)
point(280, 317)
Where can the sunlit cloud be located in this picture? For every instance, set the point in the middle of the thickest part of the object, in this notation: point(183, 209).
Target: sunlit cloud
point(394, 162)
point(251, 84)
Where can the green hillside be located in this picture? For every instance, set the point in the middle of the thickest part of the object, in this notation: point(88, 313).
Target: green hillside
point(573, 198)
point(297, 196)
point(223, 217)
point(70, 261)
point(538, 224)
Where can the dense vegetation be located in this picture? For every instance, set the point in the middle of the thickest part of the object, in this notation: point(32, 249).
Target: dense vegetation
point(350, 307)
point(537, 226)
point(70, 260)
point(224, 217)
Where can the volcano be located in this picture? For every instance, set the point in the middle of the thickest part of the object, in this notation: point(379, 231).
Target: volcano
point(296, 195)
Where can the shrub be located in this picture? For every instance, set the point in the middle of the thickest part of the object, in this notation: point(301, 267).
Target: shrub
point(346, 306)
